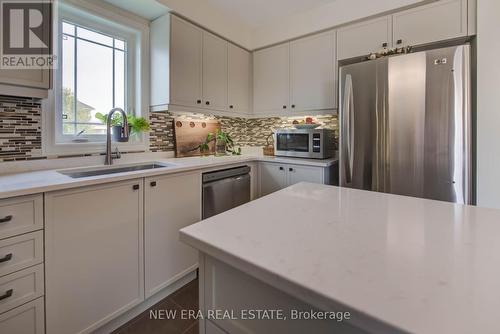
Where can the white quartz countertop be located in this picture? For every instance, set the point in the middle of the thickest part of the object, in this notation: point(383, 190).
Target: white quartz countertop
point(18, 184)
point(401, 264)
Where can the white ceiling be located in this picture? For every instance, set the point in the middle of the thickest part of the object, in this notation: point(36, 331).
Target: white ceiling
point(254, 13)
point(148, 9)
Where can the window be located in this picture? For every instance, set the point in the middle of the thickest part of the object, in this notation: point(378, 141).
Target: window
point(93, 71)
point(103, 62)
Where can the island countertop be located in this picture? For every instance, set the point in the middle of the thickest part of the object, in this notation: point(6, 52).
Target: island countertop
point(401, 264)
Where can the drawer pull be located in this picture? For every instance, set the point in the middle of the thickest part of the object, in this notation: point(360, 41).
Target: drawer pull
point(6, 219)
point(6, 258)
point(7, 294)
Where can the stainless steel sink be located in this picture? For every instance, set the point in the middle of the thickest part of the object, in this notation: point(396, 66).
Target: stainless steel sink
point(86, 172)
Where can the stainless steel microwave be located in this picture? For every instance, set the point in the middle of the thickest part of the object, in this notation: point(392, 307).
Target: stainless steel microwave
point(304, 143)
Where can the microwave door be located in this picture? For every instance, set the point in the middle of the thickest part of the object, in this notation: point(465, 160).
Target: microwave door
point(293, 144)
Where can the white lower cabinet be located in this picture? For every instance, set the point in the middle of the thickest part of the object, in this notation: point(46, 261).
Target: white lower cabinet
point(21, 287)
point(94, 255)
point(171, 203)
point(25, 319)
point(224, 287)
point(296, 174)
point(276, 176)
point(272, 178)
point(210, 328)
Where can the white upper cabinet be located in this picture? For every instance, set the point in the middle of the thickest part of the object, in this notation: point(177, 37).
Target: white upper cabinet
point(214, 72)
point(364, 38)
point(312, 73)
point(271, 79)
point(239, 79)
point(186, 63)
point(26, 78)
point(435, 22)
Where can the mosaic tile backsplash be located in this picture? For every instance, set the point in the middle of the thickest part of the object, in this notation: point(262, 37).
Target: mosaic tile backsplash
point(20, 129)
point(21, 132)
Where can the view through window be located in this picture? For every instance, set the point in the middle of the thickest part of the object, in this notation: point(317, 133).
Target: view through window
point(93, 79)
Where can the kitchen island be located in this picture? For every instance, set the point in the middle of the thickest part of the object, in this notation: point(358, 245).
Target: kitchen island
point(394, 264)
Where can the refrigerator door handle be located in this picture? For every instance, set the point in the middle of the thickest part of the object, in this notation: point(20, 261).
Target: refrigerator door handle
point(349, 128)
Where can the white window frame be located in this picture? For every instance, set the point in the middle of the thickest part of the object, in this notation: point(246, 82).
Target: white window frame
point(113, 22)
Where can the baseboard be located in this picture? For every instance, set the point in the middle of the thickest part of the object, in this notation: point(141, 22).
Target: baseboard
point(134, 312)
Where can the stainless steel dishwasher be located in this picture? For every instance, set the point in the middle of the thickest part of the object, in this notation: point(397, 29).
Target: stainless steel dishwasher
point(225, 189)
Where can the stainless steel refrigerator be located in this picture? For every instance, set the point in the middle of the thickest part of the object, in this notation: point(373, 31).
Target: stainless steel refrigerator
point(405, 125)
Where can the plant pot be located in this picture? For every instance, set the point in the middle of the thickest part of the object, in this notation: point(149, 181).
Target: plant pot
point(220, 147)
point(118, 134)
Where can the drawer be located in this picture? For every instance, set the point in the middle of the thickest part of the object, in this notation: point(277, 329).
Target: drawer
point(25, 319)
point(21, 252)
point(20, 215)
point(21, 287)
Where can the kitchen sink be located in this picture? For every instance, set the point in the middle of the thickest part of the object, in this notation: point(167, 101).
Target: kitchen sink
point(87, 172)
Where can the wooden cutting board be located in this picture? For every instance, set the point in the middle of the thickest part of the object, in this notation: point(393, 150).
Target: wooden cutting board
point(190, 133)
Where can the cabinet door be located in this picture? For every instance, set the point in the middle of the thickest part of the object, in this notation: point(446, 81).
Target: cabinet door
point(312, 72)
point(271, 79)
point(363, 38)
point(26, 78)
point(171, 203)
point(214, 72)
point(185, 63)
point(25, 319)
point(438, 21)
point(240, 78)
point(93, 255)
point(296, 174)
point(272, 178)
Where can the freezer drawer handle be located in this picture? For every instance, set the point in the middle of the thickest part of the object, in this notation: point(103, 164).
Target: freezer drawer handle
point(6, 219)
point(6, 258)
point(7, 294)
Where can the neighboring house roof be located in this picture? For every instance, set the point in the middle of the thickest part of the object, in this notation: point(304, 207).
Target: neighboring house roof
point(80, 105)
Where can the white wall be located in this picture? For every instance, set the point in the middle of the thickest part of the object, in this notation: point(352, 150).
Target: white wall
point(201, 12)
point(488, 103)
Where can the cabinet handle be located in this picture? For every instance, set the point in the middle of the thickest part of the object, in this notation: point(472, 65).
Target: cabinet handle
point(136, 187)
point(290, 169)
point(207, 103)
point(384, 45)
point(7, 294)
point(399, 41)
point(284, 107)
point(6, 219)
point(281, 168)
point(153, 184)
point(293, 105)
point(198, 101)
point(231, 107)
point(6, 258)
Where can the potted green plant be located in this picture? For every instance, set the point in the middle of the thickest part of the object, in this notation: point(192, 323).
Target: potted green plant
point(136, 125)
point(224, 144)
